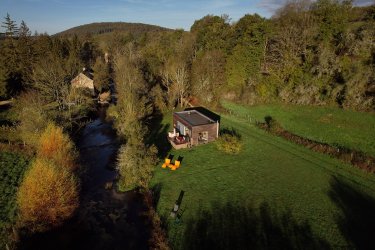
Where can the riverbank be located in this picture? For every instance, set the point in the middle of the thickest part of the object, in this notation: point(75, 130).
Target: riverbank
point(105, 218)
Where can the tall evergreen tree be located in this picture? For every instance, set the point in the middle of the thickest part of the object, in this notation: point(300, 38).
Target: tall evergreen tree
point(26, 53)
point(10, 26)
point(10, 76)
point(24, 31)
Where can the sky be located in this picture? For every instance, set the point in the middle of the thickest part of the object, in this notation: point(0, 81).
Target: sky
point(53, 16)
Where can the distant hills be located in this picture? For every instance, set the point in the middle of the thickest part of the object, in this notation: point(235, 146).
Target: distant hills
point(135, 29)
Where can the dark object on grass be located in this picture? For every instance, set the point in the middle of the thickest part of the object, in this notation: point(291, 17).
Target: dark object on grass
point(177, 204)
point(180, 158)
point(170, 156)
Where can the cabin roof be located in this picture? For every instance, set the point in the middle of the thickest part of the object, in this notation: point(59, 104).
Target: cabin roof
point(194, 118)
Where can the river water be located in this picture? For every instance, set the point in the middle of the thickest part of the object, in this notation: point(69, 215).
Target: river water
point(105, 219)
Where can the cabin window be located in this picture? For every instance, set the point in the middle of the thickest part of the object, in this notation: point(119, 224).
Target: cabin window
point(203, 136)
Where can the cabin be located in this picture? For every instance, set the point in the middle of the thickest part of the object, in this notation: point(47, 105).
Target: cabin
point(84, 80)
point(191, 128)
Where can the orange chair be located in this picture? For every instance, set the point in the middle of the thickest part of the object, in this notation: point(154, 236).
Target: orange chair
point(166, 163)
point(176, 165)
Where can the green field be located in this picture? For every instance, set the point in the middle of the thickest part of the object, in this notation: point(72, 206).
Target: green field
point(12, 168)
point(273, 194)
point(354, 130)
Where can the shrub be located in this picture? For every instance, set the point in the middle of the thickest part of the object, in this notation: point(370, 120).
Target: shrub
point(272, 124)
point(56, 146)
point(29, 108)
point(135, 164)
point(47, 196)
point(229, 142)
point(9, 134)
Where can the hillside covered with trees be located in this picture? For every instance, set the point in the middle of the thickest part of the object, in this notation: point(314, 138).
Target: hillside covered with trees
point(318, 53)
point(135, 29)
point(309, 53)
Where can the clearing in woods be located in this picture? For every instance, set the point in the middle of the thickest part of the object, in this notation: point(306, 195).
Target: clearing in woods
point(274, 193)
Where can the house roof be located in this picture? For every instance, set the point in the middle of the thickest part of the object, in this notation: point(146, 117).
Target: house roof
point(89, 73)
point(81, 76)
point(194, 118)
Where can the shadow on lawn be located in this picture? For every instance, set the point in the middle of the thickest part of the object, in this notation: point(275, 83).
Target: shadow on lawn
point(158, 134)
point(357, 222)
point(156, 190)
point(233, 226)
point(230, 131)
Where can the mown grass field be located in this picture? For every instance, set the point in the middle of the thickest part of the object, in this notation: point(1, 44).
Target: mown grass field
point(354, 130)
point(273, 194)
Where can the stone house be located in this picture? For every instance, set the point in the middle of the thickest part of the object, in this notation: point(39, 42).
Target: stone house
point(84, 80)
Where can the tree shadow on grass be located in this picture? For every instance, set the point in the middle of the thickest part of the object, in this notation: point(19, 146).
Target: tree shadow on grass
point(158, 135)
point(357, 221)
point(230, 131)
point(156, 190)
point(233, 226)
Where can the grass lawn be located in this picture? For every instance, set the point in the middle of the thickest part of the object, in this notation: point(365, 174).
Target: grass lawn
point(273, 194)
point(354, 130)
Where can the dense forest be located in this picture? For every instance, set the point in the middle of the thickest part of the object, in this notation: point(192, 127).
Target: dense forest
point(319, 53)
point(309, 53)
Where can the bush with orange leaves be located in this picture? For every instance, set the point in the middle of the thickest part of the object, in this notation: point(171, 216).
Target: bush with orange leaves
point(56, 146)
point(48, 195)
point(49, 192)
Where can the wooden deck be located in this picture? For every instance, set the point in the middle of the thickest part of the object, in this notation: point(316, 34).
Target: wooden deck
point(178, 144)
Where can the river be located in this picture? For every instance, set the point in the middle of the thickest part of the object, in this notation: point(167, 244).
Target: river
point(105, 219)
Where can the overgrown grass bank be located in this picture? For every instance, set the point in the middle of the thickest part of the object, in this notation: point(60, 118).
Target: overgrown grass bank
point(350, 129)
point(272, 194)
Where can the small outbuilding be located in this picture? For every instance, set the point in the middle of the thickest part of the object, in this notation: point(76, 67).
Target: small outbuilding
point(84, 80)
point(192, 127)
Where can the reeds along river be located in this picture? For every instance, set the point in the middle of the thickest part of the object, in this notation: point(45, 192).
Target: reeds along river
point(105, 219)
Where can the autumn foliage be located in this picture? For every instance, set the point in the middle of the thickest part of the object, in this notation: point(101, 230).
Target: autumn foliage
point(56, 146)
point(47, 196)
